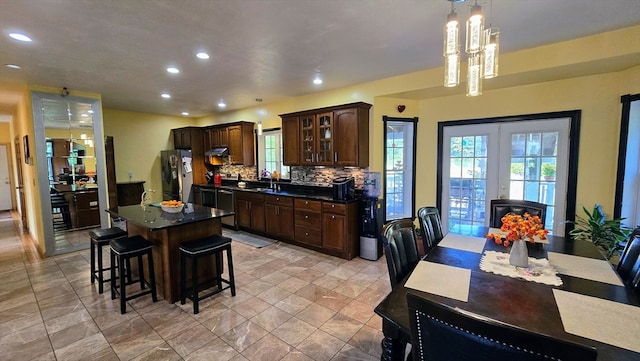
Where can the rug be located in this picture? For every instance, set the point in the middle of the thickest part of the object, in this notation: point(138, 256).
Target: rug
point(5, 214)
point(248, 238)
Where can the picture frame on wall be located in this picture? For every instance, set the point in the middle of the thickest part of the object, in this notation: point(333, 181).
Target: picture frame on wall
point(25, 146)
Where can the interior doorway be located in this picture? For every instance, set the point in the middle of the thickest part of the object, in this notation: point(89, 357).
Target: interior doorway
point(5, 183)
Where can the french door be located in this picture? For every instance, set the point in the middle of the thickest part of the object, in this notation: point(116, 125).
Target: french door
point(525, 160)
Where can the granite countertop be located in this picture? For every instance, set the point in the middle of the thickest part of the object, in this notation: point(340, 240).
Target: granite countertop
point(153, 217)
point(287, 190)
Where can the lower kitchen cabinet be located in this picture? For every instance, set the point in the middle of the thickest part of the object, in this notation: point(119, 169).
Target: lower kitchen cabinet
point(308, 222)
point(340, 228)
point(250, 211)
point(279, 216)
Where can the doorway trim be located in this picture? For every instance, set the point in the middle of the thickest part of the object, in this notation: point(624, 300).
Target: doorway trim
point(574, 146)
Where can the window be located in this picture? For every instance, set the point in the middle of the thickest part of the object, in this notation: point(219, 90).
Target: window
point(270, 153)
point(399, 161)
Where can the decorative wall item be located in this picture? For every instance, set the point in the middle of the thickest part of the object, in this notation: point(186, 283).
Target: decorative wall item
point(401, 108)
point(27, 153)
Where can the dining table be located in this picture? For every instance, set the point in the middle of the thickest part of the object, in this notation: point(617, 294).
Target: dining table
point(573, 295)
point(167, 231)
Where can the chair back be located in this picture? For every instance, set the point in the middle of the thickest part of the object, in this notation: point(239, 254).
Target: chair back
point(440, 333)
point(501, 207)
point(429, 218)
point(629, 265)
point(400, 249)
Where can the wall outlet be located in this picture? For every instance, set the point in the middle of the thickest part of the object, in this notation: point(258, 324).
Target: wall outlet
point(130, 175)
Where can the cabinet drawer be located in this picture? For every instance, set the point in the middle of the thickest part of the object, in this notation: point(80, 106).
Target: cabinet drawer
point(337, 208)
point(279, 200)
point(250, 196)
point(308, 235)
point(308, 205)
point(308, 219)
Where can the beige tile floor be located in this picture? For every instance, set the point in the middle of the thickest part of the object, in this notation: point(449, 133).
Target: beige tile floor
point(291, 304)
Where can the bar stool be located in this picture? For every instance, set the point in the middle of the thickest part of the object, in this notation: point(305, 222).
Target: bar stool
point(122, 250)
point(199, 248)
point(99, 239)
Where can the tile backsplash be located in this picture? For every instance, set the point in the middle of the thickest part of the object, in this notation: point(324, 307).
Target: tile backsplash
point(311, 176)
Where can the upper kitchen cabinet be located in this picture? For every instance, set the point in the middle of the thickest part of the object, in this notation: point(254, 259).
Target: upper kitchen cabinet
point(241, 139)
point(187, 138)
point(333, 136)
point(216, 137)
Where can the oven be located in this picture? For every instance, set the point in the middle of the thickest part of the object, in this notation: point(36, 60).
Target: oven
point(226, 200)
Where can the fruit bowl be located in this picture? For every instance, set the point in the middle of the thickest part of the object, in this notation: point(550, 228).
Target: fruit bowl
point(172, 206)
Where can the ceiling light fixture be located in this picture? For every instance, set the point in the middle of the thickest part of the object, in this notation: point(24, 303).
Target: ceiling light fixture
point(202, 55)
point(221, 104)
point(317, 80)
point(13, 66)
point(185, 113)
point(481, 47)
point(173, 70)
point(20, 37)
point(166, 95)
point(258, 100)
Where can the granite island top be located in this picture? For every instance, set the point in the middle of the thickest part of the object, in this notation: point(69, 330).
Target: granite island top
point(153, 217)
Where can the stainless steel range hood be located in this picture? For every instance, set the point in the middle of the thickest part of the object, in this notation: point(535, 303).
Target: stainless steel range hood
point(217, 152)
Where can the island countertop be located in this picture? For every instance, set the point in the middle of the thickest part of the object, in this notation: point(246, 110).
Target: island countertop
point(153, 217)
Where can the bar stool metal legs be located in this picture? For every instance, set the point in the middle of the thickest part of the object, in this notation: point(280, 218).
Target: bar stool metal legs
point(199, 248)
point(122, 250)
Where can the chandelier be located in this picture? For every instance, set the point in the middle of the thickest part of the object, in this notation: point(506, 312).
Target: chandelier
point(481, 47)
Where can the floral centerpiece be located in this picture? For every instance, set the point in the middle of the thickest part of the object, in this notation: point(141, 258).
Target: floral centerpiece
point(518, 227)
point(515, 230)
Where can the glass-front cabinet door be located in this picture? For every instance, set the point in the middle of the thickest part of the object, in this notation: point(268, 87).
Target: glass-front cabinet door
point(325, 139)
point(308, 139)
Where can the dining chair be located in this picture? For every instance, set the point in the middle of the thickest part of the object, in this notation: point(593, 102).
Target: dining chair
point(629, 265)
point(501, 207)
point(440, 333)
point(429, 219)
point(400, 249)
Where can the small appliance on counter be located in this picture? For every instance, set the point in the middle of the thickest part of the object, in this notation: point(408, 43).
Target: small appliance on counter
point(217, 179)
point(344, 188)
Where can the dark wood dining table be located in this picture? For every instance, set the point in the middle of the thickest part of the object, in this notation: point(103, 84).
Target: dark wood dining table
point(525, 304)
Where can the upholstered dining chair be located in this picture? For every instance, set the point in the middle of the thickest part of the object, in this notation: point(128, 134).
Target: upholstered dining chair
point(443, 333)
point(500, 207)
point(400, 249)
point(429, 219)
point(629, 265)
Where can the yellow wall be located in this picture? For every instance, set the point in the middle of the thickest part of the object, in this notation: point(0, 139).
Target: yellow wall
point(138, 139)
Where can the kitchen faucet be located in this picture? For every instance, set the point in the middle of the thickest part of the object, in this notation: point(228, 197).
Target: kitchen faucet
point(143, 197)
point(264, 175)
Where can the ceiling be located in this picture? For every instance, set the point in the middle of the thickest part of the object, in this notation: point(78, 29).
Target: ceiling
point(267, 49)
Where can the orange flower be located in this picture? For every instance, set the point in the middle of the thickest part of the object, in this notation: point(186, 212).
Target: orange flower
point(519, 227)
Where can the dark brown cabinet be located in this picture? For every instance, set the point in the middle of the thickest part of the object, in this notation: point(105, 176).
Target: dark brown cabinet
point(186, 138)
point(308, 221)
point(130, 193)
point(279, 216)
point(83, 208)
point(192, 138)
point(250, 212)
point(340, 228)
point(216, 137)
point(238, 137)
point(332, 136)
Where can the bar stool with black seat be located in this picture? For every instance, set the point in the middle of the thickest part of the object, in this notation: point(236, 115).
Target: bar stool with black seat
point(99, 239)
point(193, 250)
point(122, 250)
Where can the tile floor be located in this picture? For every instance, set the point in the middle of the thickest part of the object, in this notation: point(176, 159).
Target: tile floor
point(291, 304)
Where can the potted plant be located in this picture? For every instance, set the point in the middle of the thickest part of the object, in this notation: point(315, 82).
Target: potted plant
point(606, 234)
point(549, 171)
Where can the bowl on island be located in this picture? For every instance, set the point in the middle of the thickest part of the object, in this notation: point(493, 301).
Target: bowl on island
point(172, 206)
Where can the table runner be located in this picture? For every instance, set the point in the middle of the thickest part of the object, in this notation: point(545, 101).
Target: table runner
point(462, 242)
point(539, 269)
point(605, 321)
point(440, 279)
point(583, 267)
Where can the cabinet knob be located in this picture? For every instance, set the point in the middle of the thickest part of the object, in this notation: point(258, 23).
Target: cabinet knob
point(306, 202)
point(333, 206)
point(333, 217)
point(277, 198)
point(306, 233)
point(306, 217)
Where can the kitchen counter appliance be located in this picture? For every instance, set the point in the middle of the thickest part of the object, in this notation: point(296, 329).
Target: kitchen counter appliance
point(343, 188)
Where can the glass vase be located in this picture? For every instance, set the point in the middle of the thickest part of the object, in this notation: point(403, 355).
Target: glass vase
point(519, 256)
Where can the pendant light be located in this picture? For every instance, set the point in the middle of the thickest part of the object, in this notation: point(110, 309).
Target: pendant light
point(452, 49)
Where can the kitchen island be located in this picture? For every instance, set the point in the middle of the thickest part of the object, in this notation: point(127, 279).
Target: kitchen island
point(167, 231)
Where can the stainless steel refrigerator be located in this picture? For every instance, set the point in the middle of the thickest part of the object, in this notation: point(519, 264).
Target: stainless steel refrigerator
point(177, 175)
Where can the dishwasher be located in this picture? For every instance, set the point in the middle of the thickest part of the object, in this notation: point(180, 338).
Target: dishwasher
point(226, 200)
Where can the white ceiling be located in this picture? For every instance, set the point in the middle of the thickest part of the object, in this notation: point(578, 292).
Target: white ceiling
point(268, 49)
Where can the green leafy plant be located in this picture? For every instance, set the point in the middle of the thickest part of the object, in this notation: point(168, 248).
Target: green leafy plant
point(606, 234)
point(548, 170)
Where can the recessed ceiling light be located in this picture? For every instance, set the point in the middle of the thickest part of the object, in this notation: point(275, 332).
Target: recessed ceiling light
point(221, 104)
point(90, 111)
point(20, 37)
point(84, 115)
point(317, 80)
point(173, 70)
point(14, 66)
point(202, 55)
point(185, 113)
point(166, 95)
